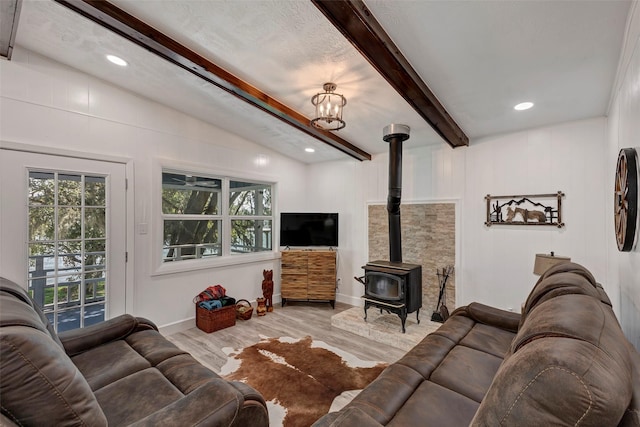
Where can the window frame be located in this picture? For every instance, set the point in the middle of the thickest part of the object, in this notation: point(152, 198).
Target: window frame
point(226, 258)
point(253, 217)
point(193, 216)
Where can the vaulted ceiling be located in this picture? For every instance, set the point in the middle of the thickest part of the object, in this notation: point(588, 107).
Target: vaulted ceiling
point(478, 59)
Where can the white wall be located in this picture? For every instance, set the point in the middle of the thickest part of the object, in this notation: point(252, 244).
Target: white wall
point(624, 132)
point(498, 261)
point(494, 264)
point(43, 103)
point(335, 187)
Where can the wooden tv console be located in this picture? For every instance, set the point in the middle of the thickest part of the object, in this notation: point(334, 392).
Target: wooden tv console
point(308, 275)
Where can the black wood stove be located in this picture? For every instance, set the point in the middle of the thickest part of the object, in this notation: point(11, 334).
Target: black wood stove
point(392, 285)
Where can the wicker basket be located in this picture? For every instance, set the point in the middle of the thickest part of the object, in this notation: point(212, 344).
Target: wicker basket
point(243, 312)
point(214, 320)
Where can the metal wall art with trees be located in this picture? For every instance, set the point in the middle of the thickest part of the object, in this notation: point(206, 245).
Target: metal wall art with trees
point(533, 209)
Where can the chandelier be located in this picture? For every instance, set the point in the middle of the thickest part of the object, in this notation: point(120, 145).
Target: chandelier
point(328, 108)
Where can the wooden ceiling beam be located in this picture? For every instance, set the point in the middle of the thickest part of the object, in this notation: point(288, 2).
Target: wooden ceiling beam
point(9, 15)
point(120, 22)
point(354, 20)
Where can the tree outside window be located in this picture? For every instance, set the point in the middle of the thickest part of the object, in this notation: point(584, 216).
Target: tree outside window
point(251, 217)
point(67, 246)
point(194, 222)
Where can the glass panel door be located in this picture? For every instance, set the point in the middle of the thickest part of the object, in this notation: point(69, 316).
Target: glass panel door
point(67, 246)
point(63, 228)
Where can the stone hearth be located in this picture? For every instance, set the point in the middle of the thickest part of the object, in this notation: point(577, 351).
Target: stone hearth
point(385, 328)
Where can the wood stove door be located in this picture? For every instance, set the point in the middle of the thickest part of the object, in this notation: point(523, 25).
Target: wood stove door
point(384, 286)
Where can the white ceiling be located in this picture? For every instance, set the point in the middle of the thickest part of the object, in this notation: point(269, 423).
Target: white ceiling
point(479, 57)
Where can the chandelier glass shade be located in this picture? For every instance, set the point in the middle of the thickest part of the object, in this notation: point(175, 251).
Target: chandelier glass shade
point(329, 106)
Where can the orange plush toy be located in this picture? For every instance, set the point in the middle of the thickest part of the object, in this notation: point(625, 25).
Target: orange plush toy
point(267, 288)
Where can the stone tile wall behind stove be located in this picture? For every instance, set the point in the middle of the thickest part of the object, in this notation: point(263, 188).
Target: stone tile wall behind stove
point(428, 239)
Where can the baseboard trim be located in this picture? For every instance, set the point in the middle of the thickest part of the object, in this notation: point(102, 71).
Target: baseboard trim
point(348, 299)
point(179, 326)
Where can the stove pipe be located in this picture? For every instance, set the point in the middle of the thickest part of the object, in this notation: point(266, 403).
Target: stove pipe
point(394, 134)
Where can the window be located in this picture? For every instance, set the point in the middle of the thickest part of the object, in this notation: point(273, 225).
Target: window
point(206, 217)
point(67, 247)
point(251, 217)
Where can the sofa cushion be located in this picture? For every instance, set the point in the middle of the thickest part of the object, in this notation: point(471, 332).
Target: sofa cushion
point(488, 339)
point(382, 398)
point(426, 356)
point(12, 291)
point(556, 285)
point(563, 279)
point(570, 365)
point(34, 368)
point(136, 396)
point(467, 371)
point(451, 369)
point(569, 267)
point(574, 316)
point(349, 416)
point(445, 408)
point(187, 374)
point(18, 313)
point(157, 400)
point(153, 346)
point(541, 385)
point(108, 363)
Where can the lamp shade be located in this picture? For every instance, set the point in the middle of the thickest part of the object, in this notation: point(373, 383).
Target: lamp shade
point(546, 261)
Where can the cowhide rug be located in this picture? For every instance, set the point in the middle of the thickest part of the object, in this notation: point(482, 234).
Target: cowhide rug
point(299, 378)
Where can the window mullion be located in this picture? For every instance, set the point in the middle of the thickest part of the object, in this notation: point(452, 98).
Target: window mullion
point(82, 291)
point(226, 218)
point(56, 233)
point(190, 217)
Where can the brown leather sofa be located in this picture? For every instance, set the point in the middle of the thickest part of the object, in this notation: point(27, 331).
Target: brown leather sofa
point(119, 372)
point(563, 362)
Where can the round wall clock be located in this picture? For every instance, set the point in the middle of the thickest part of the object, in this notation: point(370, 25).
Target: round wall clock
point(626, 199)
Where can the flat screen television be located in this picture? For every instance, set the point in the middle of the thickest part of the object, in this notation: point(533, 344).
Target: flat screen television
point(308, 229)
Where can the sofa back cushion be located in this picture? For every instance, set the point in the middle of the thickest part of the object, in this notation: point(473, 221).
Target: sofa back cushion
point(9, 288)
point(39, 384)
point(569, 363)
point(562, 279)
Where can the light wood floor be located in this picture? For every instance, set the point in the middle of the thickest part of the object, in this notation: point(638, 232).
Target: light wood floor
point(295, 320)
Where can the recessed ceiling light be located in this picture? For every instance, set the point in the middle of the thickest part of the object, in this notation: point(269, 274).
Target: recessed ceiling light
point(309, 150)
point(117, 60)
point(523, 106)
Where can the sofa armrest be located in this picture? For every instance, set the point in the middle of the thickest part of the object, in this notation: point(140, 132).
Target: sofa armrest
point(632, 414)
point(492, 316)
point(82, 339)
point(248, 392)
point(253, 411)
